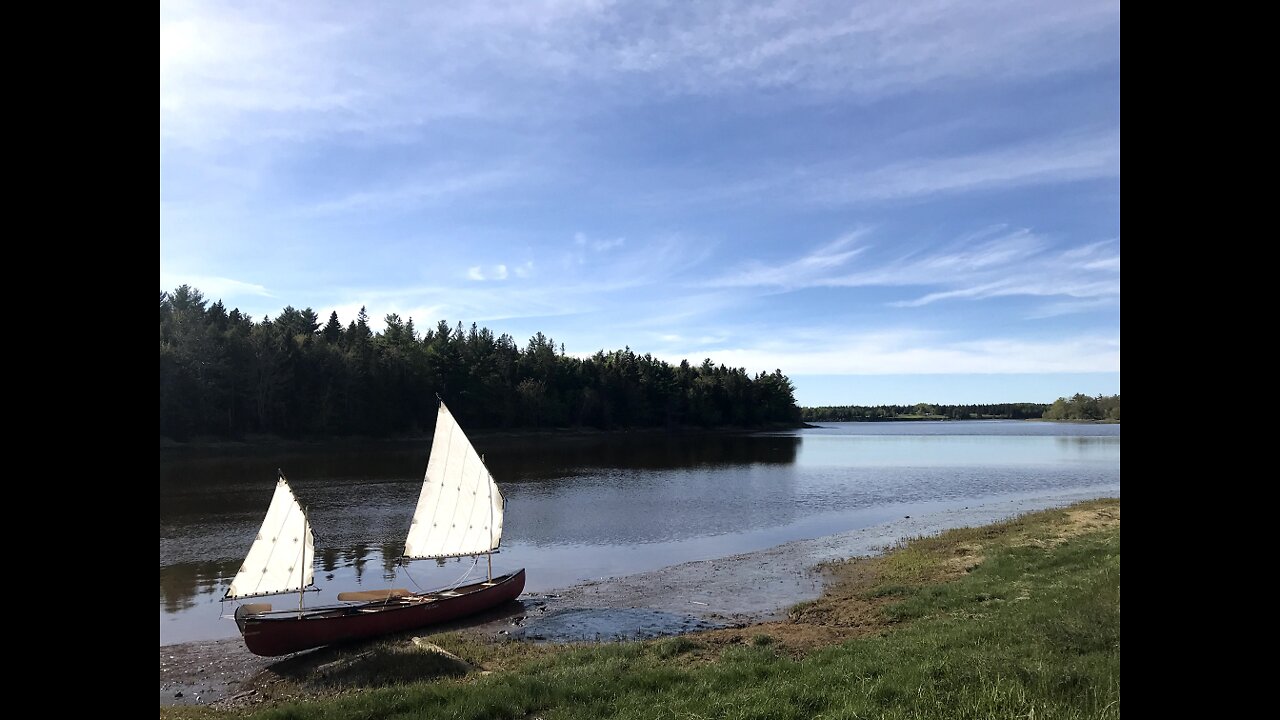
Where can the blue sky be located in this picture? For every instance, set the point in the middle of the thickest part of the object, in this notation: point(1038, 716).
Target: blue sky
point(890, 202)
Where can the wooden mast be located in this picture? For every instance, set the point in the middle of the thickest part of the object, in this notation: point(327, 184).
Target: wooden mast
point(489, 554)
point(302, 566)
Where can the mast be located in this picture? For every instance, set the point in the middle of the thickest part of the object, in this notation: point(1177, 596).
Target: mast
point(489, 555)
point(302, 573)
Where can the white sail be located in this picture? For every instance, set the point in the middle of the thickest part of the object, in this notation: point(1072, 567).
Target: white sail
point(282, 558)
point(460, 509)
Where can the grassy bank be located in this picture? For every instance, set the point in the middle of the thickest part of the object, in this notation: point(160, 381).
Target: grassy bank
point(1017, 619)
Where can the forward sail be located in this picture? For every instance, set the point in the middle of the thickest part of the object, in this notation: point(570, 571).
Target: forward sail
point(460, 509)
point(282, 558)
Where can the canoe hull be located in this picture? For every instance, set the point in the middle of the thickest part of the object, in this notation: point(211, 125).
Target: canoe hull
point(281, 633)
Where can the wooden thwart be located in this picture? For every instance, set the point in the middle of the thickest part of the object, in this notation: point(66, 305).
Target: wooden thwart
point(372, 595)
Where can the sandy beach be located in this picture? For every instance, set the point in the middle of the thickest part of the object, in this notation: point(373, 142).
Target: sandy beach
point(729, 591)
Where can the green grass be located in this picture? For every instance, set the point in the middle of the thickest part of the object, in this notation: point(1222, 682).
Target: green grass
point(1033, 631)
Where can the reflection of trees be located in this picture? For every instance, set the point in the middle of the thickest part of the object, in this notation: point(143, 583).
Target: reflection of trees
point(201, 481)
point(513, 459)
point(212, 500)
point(1081, 443)
point(181, 583)
point(390, 558)
point(236, 485)
point(329, 559)
point(357, 557)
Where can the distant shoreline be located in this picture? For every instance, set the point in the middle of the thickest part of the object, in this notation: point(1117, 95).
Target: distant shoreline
point(266, 441)
point(275, 441)
point(951, 419)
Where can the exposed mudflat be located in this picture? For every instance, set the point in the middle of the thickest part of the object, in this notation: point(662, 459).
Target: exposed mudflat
point(730, 591)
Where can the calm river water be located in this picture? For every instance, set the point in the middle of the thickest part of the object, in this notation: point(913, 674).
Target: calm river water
point(590, 506)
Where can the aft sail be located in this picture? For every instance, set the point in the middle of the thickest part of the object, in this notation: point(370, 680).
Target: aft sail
point(460, 509)
point(282, 558)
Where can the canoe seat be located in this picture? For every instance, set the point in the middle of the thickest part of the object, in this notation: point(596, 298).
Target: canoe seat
point(372, 595)
point(252, 609)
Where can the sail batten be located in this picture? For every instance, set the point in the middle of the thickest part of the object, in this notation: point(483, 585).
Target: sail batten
point(282, 558)
point(459, 511)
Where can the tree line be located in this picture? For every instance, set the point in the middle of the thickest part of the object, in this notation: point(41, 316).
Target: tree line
point(922, 411)
point(223, 374)
point(1083, 407)
point(1078, 407)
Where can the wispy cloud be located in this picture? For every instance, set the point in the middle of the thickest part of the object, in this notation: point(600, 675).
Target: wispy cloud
point(876, 179)
point(231, 74)
point(1087, 272)
point(830, 351)
point(1063, 160)
point(231, 71)
point(214, 287)
point(635, 261)
point(864, 50)
point(493, 272)
point(468, 302)
point(582, 243)
point(604, 245)
point(444, 184)
point(809, 269)
point(503, 291)
point(994, 262)
point(1069, 307)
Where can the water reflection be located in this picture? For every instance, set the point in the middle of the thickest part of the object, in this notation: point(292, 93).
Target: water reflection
point(182, 583)
point(1082, 442)
point(614, 506)
point(584, 506)
point(568, 490)
point(530, 459)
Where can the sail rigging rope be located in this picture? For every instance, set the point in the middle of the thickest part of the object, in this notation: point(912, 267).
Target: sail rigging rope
point(475, 561)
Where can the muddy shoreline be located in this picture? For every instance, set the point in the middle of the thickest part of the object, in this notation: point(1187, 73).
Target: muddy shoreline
point(735, 590)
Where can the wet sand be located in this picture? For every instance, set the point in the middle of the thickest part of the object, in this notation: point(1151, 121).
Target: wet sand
point(735, 590)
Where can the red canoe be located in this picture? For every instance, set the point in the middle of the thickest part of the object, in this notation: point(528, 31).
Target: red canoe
point(282, 632)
